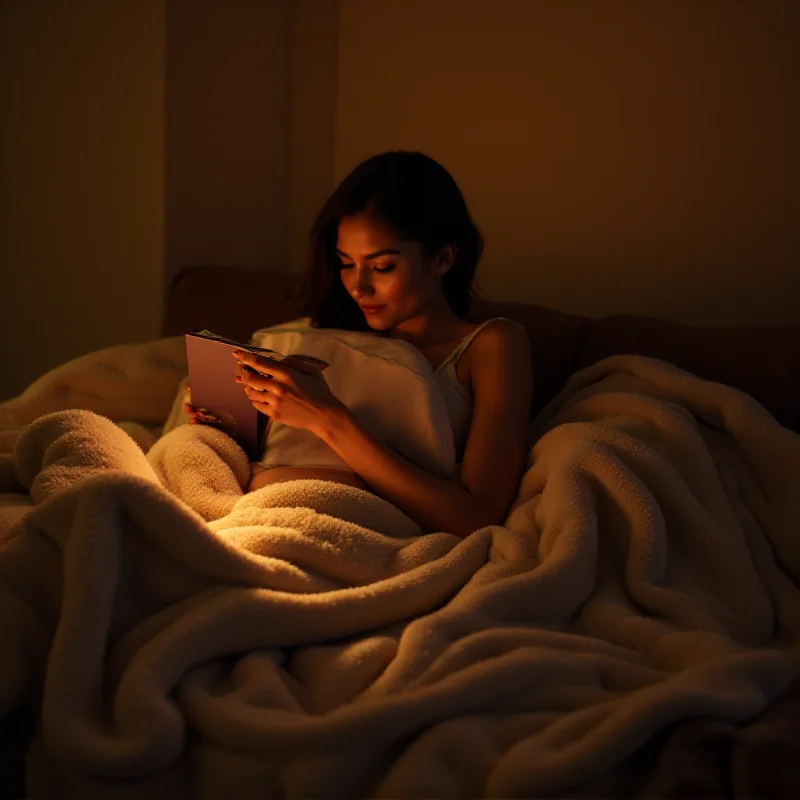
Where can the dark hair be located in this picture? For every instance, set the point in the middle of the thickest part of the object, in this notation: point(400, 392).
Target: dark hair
point(416, 199)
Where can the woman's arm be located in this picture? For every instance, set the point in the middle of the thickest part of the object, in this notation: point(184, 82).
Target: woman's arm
point(433, 503)
point(494, 458)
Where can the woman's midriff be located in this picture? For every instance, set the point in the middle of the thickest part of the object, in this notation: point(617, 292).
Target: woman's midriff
point(265, 477)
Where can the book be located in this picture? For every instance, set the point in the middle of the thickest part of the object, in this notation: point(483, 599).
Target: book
point(216, 396)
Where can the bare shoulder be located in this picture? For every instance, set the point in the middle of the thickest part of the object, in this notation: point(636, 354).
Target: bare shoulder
point(504, 332)
point(502, 340)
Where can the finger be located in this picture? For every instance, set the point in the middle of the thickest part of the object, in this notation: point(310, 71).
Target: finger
point(261, 383)
point(316, 363)
point(297, 363)
point(248, 372)
point(262, 402)
point(270, 395)
point(261, 364)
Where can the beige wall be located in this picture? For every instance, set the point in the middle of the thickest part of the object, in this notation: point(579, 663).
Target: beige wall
point(250, 104)
point(226, 132)
point(619, 156)
point(146, 136)
point(81, 152)
point(312, 119)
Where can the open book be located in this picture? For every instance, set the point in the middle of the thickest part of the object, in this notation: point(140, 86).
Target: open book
point(217, 397)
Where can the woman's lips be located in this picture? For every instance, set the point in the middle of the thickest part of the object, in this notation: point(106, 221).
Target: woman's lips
point(372, 309)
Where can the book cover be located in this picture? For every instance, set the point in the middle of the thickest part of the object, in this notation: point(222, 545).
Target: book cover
point(215, 392)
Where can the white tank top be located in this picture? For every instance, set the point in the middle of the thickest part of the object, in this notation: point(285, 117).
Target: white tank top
point(456, 397)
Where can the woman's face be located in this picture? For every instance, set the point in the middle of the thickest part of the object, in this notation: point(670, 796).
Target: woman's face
point(391, 280)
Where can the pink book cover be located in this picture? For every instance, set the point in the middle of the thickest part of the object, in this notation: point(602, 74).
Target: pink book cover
point(213, 388)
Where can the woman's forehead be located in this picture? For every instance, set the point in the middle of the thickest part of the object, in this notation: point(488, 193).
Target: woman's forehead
point(360, 236)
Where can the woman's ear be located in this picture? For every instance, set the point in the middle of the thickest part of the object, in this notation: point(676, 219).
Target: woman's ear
point(445, 259)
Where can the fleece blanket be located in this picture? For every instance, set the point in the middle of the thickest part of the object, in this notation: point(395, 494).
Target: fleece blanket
point(306, 640)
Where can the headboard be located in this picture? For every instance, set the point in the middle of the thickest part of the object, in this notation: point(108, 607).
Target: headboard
point(763, 361)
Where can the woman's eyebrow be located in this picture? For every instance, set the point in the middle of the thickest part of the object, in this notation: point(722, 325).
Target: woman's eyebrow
point(388, 251)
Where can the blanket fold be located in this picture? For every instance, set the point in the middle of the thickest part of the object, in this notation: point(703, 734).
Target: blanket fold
point(307, 640)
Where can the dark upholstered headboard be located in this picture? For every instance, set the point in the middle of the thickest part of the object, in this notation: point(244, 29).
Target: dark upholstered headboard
point(235, 302)
point(231, 301)
point(762, 361)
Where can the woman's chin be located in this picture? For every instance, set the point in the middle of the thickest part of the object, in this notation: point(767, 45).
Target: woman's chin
point(375, 324)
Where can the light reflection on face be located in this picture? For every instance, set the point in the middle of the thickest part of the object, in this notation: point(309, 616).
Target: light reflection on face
point(378, 269)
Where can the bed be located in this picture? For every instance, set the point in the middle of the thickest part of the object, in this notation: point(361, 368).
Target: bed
point(632, 630)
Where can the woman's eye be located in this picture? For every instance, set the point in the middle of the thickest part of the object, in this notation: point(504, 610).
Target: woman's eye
point(382, 270)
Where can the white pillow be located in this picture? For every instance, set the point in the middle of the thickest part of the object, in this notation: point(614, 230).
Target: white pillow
point(387, 384)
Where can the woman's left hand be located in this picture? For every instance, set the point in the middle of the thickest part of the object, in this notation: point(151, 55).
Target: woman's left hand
point(296, 394)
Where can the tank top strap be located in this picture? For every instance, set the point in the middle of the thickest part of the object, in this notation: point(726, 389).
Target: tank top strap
point(465, 342)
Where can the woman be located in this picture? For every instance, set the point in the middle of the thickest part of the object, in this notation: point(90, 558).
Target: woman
point(394, 251)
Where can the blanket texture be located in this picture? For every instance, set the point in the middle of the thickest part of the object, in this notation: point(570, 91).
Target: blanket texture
point(306, 640)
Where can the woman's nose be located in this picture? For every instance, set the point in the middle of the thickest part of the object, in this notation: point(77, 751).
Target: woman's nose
point(364, 289)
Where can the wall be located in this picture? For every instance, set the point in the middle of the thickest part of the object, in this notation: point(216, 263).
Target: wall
point(620, 156)
point(146, 137)
point(226, 132)
point(81, 170)
point(312, 119)
point(251, 89)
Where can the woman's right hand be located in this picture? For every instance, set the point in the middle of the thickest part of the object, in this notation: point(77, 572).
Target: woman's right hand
point(189, 408)
point(198, 416)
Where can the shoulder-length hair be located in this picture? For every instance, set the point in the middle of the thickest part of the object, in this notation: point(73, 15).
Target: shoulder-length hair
point(416, 199)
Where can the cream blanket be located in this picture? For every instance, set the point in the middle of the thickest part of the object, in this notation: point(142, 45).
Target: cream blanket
point(305, 640)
